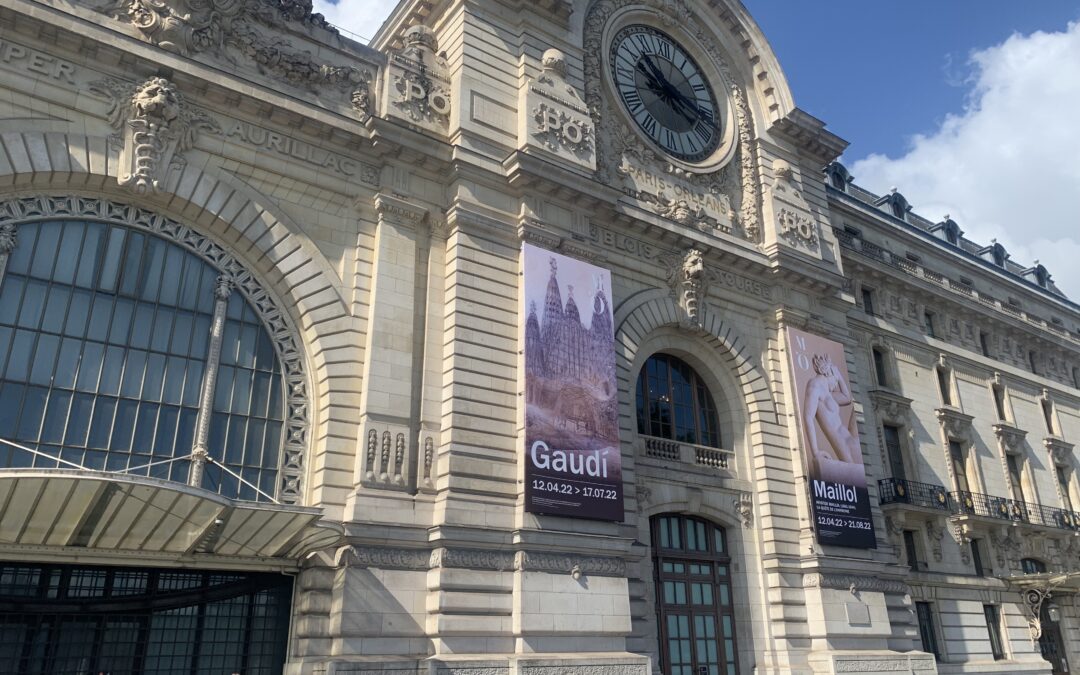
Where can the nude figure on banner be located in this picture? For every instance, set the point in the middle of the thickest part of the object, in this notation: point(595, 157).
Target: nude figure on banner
point(825, 402)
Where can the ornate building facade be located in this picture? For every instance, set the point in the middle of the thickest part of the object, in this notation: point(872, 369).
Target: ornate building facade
point(265, 351)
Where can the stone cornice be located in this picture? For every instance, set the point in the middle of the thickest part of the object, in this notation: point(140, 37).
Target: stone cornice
point(1010, 436)
point(854, 583)
point(422, 559)
point(808, 133)
point(890, 405)
point(398, 209)
point(1060, 449)
point(954, 422)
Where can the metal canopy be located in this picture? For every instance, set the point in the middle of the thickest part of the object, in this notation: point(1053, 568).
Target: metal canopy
point(96, 511)
point(1057, 581)
point(1037, 589)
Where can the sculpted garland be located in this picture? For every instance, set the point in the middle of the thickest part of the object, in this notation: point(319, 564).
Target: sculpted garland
point(192, 27)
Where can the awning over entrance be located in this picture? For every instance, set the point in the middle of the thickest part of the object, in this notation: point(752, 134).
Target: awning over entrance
point(1056, 581)
point(95, 511)
point(1037, 589)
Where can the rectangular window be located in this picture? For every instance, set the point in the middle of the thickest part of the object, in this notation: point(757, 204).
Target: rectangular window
point(993, 626)
point(924, 612)
point(894, 450)
point(944, 386)
point(959, 463)
point(912, 551)
point(1016, 476)
point(976, 557)
point(999, 402)
point(880, 371)
point(928, 323)
point(1048, 416)
point(868, 300)
point(984, 343)
point(1063, 481)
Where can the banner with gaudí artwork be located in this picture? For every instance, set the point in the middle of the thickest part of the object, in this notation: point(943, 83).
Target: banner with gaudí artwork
point(572, 461)
point(829, 436)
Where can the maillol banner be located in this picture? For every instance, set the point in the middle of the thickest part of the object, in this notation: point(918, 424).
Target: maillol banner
point(572, 462)
point(830, 441)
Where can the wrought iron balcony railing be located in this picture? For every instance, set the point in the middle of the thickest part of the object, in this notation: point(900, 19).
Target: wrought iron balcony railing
point(1003, 508)
point(902, 491)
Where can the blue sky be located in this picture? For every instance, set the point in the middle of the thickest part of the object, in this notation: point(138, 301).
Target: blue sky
point(968, 107)
point(880, 71)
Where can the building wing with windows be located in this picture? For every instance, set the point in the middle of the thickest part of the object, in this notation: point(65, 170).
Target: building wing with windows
point(265, 351)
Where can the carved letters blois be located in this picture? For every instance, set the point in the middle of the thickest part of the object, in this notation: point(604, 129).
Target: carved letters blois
point(669, 260)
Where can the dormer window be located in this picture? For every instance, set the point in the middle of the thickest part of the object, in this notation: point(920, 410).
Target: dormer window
point(838, 176)
point(898, 207)
point(948, 229)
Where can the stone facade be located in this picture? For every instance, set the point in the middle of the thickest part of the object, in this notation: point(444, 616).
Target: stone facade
point(378, 197)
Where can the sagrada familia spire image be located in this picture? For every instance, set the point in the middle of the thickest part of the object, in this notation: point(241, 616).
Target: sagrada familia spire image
point(570, 369)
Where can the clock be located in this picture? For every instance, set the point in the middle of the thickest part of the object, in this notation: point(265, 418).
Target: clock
point(665, 92)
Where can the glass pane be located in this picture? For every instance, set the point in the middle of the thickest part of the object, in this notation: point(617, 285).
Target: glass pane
point(100, 321)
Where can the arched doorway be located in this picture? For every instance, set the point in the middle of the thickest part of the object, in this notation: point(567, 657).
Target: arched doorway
point(695, 612)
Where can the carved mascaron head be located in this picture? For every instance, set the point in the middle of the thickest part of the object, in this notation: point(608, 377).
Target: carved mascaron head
point(156, 99)
point(693, 265)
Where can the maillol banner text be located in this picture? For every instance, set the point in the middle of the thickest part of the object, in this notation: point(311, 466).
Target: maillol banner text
point(829, 436)
point(572, 462)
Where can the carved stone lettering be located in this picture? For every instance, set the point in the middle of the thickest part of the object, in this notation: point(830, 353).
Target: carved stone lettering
point(553, 117)
point(297, 149)
point(31, 60)
point(417, 83)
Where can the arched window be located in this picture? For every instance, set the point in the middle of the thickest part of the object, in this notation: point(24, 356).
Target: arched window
point(695, 609)
point(674, 403)
point(105, 344)
point(1032, 566)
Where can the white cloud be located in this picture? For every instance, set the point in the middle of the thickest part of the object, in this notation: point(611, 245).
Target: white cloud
point(361, 17)
point(1008, 165)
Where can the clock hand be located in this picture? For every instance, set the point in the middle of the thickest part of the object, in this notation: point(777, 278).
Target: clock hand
point(671, 95)
point(654, 85)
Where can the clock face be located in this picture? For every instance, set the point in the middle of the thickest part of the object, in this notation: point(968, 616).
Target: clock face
point(665, 92)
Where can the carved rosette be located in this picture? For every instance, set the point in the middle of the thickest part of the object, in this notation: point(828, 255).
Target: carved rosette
point(156, 125)
point(724, 199)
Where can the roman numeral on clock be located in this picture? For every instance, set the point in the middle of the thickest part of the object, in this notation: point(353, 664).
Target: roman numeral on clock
point(649, 125)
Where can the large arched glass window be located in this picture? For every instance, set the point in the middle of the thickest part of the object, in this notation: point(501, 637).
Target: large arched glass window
point(105, 341)
point(694, 601)
point(674, 403)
